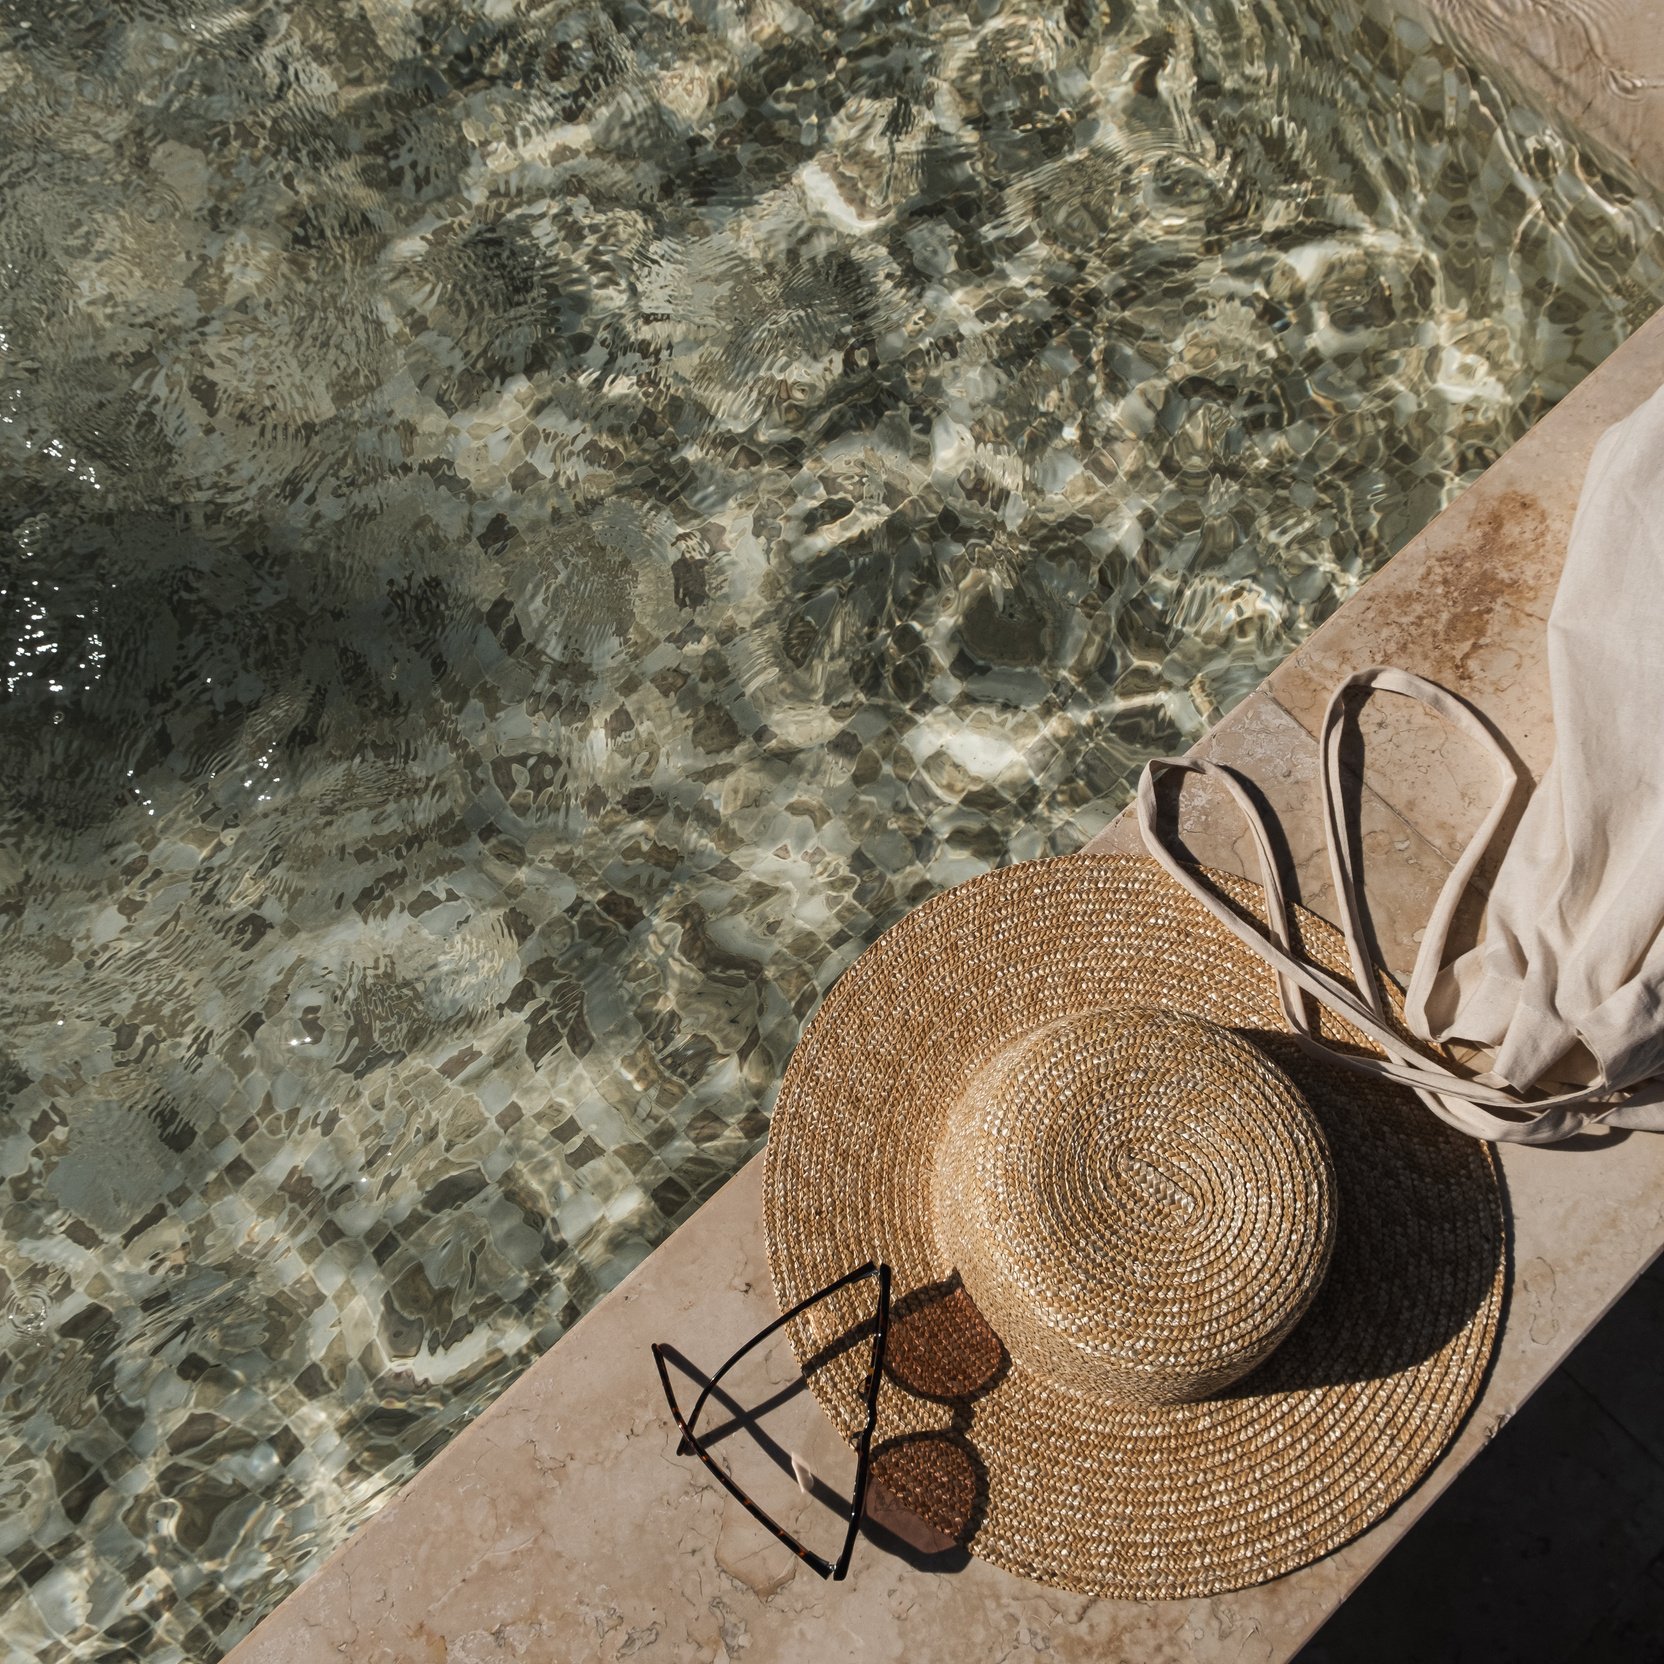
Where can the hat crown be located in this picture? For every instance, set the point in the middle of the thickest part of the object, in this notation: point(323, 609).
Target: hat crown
point(1140, 1203)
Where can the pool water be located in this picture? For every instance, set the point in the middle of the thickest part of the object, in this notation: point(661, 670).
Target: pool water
point(528, 535)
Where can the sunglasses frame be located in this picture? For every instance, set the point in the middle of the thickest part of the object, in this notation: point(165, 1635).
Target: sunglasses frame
point(834, 1570)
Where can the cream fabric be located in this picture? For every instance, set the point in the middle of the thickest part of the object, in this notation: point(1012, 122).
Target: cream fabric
point(1573, 948)
point(1573, 945)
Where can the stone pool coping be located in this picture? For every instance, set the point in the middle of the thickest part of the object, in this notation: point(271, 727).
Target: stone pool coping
point(562, 1525)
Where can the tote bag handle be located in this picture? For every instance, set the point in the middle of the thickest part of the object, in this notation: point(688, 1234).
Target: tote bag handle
point(1476, 1104)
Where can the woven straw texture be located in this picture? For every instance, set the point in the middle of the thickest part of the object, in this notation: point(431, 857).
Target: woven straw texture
point(1131, 1501)
point(1138, 1202)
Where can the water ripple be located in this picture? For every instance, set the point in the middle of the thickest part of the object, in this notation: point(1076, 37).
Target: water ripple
point(528, 535)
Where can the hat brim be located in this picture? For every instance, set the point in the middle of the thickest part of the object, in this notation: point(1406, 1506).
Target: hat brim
point(1126, 1502)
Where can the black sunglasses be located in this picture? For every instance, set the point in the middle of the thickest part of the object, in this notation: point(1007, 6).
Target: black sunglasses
point(863, 1445)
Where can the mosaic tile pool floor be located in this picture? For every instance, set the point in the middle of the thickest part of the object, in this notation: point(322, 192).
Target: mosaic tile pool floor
point(528, 535)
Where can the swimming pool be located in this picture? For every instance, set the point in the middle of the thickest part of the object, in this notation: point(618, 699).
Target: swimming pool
point(528, 536)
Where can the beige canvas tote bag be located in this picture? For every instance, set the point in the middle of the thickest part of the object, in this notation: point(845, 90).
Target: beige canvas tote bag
point(1572, 951)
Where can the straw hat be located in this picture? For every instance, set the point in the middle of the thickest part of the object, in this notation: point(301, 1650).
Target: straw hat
point(1177, 1307)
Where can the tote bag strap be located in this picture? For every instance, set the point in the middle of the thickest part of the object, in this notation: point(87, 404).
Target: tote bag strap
point(1470, 1103)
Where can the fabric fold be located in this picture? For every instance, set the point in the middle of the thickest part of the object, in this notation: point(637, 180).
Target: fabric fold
point(1572, 954)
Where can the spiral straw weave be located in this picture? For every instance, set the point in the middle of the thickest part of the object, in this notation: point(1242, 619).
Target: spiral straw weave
point(1078, 1488)
point(1138, 1202)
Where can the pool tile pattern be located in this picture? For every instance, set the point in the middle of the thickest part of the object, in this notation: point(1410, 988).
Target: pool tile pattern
point(481, 1554)
point(529, 535)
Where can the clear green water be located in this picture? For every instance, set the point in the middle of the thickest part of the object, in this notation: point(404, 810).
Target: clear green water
point(528, 535)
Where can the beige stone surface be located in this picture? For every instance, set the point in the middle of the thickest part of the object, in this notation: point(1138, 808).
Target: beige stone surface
point(564, 1526)
point(1264, 744)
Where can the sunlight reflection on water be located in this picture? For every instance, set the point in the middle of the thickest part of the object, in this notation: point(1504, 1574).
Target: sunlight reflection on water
point(529, 536)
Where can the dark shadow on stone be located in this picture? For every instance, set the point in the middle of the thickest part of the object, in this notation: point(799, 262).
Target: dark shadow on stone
point(1597, 1138)
point(1169, 793)
point(1550, 1545)
point(744, 1417)
point(747, 1419)
point(1351, 808)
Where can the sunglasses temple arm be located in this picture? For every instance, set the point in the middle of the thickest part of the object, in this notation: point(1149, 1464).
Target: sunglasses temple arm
point(855, 1276)
point(825, 1568)
point(685, 1445)
point(863, 1460)
point(836, 1571)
